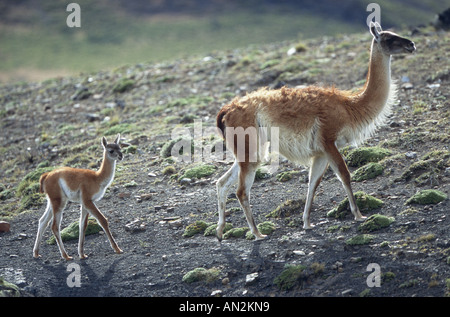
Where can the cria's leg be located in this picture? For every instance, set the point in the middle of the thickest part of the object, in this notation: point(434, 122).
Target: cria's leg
point(43, 224)
point(83, 225)
point(318, 167)
point(340, 168)
point(246, 178)
point(102, 221)
point(223, 187)
point(58, 205)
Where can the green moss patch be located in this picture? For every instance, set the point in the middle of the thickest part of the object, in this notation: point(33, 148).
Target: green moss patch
point(185, 148)
point(426, 197)
point(266, 228)
point(375, 222)
point(202, 275)
point(72, 231)
point(291, 276)
point(428, 169)
point(360, 239)
point(287, 209)
point(286, 176)
point(368, 171)
point(8, 289)
point(199, 171)
point(195, 228)
point(297, 275)
point(211, 230)
point(364, 202)
point(361, 156)
point(236, 233)
point(123, 85)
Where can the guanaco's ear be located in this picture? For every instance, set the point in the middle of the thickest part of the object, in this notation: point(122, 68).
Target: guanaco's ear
point(117, 140)
point(375, 29)
point(104, 143)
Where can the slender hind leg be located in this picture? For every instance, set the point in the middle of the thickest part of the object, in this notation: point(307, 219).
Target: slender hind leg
point(43, 224)
point(223, 187)
point(246, 178)
point(318, 167)
point(58, 205)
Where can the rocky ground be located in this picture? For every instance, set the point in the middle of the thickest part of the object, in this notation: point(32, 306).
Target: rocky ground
point(152, 202)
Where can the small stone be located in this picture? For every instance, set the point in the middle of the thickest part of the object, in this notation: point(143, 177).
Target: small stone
point(185, 181)
point(135, 226)
point(347, 292)
point(216, 293)
point(291, 51)
point(91, 117)
point(176, 223)
point(124, 195)
point(146, 196)
point(4, 226)
point(407, 86)
point(251, 278)
point(298, 252)
point(411, 155)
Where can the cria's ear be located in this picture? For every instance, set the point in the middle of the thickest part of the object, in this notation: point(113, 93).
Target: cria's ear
point(375, 29)
point(117, 140)
point(104, 143)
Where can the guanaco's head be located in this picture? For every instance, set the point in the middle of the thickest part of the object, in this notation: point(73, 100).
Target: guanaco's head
point(390, 42)
point(112, 150)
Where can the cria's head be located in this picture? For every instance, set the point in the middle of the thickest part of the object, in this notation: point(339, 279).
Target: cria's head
point(113, 149)
point(390, 42)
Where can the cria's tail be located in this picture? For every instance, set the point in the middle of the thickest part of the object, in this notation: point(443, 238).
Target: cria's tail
point(41, 183)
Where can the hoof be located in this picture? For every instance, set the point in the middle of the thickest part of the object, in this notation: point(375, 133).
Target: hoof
point(260, 236)
point(308, 226)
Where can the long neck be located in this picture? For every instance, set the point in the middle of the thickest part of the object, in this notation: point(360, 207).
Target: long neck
point(106, 171)
point(375, 93)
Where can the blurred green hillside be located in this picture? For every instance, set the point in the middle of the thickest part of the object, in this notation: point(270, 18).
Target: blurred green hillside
point(36, 43)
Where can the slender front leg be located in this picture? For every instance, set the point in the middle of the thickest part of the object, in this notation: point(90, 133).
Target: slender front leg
point(340, 168)
point(223, 187)
point(83, 225)
point(318, 166)
point(102, 221)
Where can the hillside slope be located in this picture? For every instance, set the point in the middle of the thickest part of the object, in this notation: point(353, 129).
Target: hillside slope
point(60, 122)
point(37, 44)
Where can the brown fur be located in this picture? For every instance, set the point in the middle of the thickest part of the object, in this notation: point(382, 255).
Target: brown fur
point(78, 185)
point(313, 122)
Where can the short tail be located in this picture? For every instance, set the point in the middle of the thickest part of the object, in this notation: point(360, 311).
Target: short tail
point(220, 121)
point(41, 182)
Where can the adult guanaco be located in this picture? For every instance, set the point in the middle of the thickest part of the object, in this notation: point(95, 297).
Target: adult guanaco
point(78, 185)
point(312, 122)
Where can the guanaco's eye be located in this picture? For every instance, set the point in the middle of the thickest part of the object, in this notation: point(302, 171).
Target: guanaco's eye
point(111, 151)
